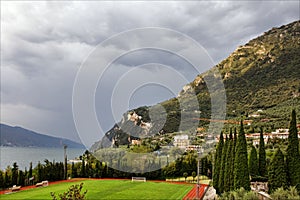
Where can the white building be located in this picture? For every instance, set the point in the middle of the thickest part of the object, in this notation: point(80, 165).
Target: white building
point(181, 141)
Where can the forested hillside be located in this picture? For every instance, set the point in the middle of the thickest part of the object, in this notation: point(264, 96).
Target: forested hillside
point(262, 75)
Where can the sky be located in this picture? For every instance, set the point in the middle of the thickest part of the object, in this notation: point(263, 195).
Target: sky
point(45, 44)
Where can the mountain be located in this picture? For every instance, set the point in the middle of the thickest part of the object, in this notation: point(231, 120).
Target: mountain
point(262, 83)
point(20, 137)
point(263, 74)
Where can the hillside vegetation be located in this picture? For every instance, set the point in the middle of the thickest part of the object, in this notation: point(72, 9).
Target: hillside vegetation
point(262, 75)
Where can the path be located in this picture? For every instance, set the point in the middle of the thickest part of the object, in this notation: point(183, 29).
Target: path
point(50, 183)
point(193, 192)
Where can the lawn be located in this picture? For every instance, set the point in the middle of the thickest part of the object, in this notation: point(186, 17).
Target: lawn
point(110, 189)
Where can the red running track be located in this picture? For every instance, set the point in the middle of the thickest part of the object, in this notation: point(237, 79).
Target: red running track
point(193, 193)
point(33, 186)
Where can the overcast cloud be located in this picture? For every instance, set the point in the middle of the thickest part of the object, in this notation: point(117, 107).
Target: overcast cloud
point(44, 43)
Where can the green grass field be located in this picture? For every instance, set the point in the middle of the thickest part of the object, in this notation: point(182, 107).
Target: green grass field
point(109, 189)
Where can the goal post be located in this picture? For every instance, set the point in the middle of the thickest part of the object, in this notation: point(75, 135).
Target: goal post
point(140, 179)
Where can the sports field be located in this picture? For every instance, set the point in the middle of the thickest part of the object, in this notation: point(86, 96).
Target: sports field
point(109, 189)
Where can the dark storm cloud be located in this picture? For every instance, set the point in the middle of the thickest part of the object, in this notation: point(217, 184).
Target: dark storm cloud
point(44, 43)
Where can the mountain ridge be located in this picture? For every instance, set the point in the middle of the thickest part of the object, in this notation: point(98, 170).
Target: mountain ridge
point(15, 136)
point(260, 75)
point(274, 53)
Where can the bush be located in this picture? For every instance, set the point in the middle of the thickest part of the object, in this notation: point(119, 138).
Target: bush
point(250, 196)
point(74, 192)
point(239, 194)
point(281, 193)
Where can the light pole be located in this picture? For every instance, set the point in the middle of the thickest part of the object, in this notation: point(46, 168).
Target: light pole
point(168, 160)
point(199, 151)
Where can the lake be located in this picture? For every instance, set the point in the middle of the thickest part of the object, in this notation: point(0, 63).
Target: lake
point(24, 155)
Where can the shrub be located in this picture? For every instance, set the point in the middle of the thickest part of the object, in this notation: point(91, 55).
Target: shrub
point(239, 194)
point(74, 192)
point(281, 193)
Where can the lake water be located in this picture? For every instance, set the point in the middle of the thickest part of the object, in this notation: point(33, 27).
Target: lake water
point(24, 155)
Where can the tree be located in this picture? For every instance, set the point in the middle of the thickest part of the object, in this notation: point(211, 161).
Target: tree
point(2, 184)
point(253, 162)
point(277, 172)
point(185, 175)
point(228, 164)
point(40, 172)
point(293, 156)
point(194, 174)
point(82, 170)
point(157, 147)
point(74, 171)
point(30, 170)
point(262, 155)
point(21, 179)
point(241, 173)
point(60, 167)
point(97, 169)
point(14, 175)
point(204, 166)
point(7, 180)
point(218, 157)
point(233, 159)
point(87, 169)
point(26, 177)
point(209, 168)
point(223, 164)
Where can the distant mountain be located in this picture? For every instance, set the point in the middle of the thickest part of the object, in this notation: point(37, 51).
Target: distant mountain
point(20, 137)
point(262, 83)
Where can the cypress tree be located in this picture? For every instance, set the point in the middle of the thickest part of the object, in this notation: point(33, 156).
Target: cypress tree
point(293, 157)
point(83, 171)
point(253, 163)
point(223, 164)
point(262, 169)
point(97, 170)
point(277, 172)
point(30, 170)
point(233, 159)
point(2, 184)
point(217, 167)
point(204, 166)
point(241, 173)
point(25, 177)
point(14, 174)
point(39, 172)
point(61, 169)
point(74, 171)
point(21, 179)
point(235, 138)
point(228, 172)
point(7, 180)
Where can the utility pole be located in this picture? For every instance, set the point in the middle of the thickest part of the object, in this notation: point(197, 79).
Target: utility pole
point(168, 160)
point(199, 151)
